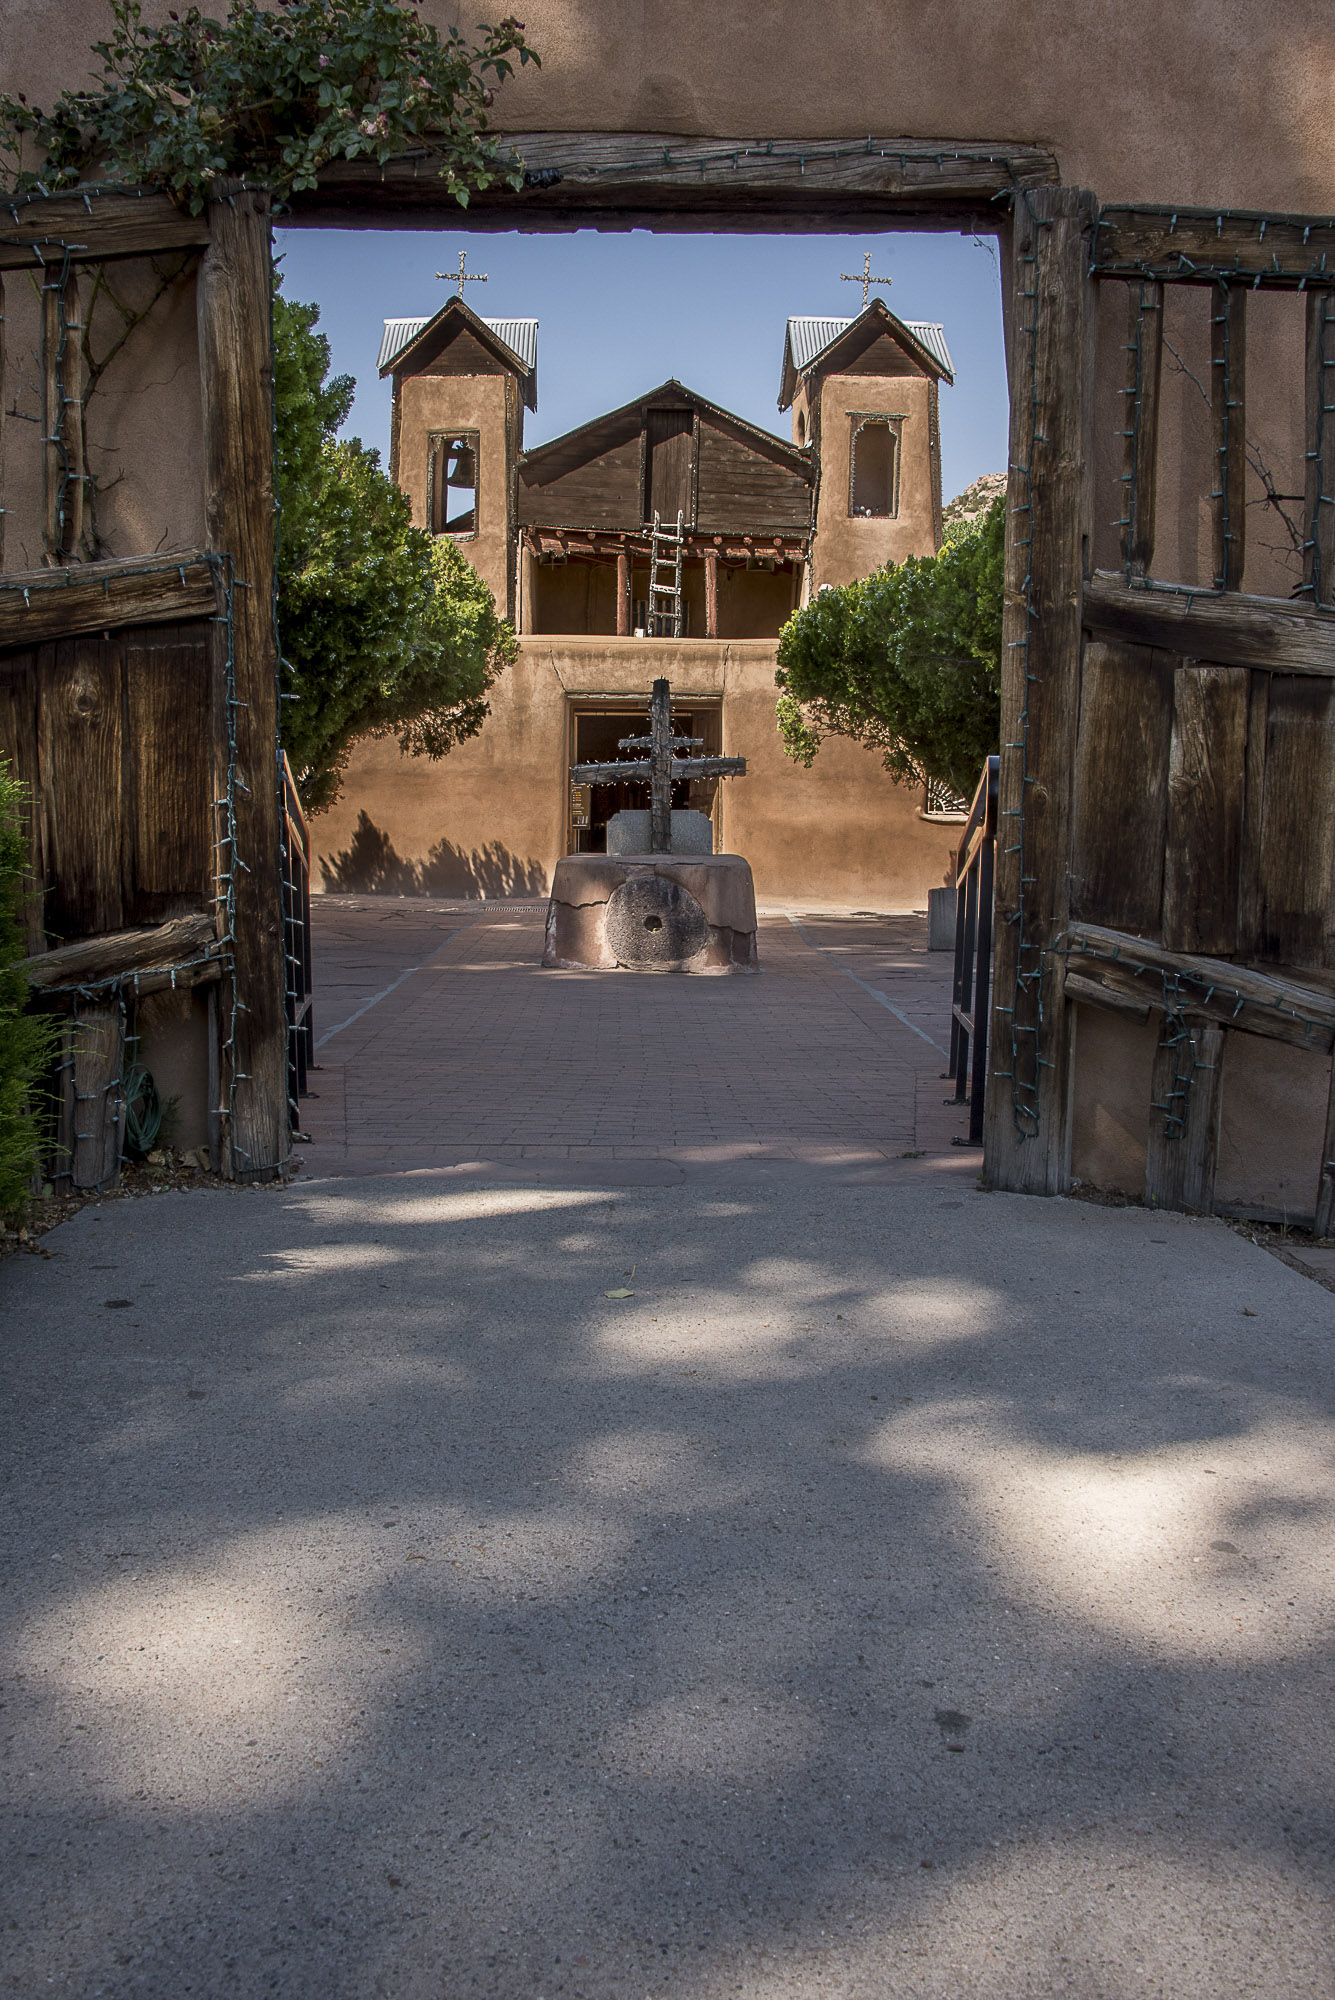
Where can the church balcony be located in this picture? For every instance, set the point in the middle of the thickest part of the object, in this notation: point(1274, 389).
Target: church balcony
point(592, 582)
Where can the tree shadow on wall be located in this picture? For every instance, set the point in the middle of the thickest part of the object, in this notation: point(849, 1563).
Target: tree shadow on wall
point(370, 866)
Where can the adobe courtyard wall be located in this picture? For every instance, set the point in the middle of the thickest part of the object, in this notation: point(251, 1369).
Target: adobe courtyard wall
point(490, 819)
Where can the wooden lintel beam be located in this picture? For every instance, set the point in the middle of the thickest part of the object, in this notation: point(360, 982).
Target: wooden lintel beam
point(93, 228)
point(1200, 246)
point(579, 175)
point(41, 604)
point(1270, 633)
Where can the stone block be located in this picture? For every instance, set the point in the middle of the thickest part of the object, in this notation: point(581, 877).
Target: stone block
point(629, 832)
point(652, 913)
point(941, 920)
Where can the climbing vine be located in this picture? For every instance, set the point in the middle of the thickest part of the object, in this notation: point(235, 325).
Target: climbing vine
point(271, 94)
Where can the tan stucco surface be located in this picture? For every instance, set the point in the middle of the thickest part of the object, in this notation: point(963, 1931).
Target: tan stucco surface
point(494, 811)
point(848, 546)
point(466, 403)
point(1211, 101)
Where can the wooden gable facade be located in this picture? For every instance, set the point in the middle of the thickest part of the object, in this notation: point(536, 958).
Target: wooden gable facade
point(667, 452)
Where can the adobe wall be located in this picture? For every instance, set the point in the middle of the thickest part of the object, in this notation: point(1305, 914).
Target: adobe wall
point(490, 819)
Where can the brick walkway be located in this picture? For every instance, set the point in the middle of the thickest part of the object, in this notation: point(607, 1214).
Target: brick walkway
point(444, 1045)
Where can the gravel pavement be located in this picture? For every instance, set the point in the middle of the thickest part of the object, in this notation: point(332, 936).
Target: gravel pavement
point(903, 1591)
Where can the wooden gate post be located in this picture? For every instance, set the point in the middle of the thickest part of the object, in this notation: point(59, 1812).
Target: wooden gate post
point(236, 368)
point(1026, 1136)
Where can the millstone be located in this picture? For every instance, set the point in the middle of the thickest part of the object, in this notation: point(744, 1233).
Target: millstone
point(652, 921)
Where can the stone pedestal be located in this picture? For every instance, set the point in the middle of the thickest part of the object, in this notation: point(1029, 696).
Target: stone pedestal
point(652, 913)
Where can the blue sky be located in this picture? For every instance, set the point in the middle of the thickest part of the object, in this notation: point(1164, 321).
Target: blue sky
point(621, 313)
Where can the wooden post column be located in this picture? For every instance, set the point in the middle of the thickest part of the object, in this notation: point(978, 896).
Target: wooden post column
point(623, 594)
point(1026, 1136)
point(711, 594)
point(236, 365)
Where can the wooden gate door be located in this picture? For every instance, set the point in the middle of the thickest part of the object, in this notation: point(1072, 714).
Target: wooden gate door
point(1166, 839)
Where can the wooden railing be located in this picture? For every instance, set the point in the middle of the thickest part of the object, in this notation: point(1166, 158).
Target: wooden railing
point(975, 870)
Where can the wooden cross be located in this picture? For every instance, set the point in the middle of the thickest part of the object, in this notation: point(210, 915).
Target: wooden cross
point(661, 768)
point(463, 277)
point(863, 278)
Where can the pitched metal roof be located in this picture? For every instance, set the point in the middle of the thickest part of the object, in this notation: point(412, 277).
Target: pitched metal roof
point(519, 335)
point(808, 338)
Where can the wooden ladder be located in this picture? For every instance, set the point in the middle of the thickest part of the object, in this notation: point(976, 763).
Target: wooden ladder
point(665, 598)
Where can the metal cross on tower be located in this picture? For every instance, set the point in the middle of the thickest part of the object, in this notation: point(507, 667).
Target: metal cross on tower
point(661, 768)
point(462, 277)
point(863, 278)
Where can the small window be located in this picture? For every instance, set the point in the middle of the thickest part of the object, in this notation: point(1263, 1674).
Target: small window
point(873, 468)
point(452, 483)
point(801, 428)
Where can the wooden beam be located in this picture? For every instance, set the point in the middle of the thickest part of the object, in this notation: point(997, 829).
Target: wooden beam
point(1186, 1089)
point(1228, 406)
point(1272, 633)
point(1095, 994)
point(1197, 245)
point(1144, 373)
point(1236, 996)
point(236, 370)
point(1319, 541)
point(36, 231)
point(120, 954)
point(1027, 1121)
point(1202, 849)
point(41, 604)
point(573, 179)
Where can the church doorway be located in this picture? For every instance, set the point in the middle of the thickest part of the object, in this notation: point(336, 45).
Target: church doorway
point(596, 725)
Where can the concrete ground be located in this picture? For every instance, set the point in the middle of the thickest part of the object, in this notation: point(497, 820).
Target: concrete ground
point(466, 1582)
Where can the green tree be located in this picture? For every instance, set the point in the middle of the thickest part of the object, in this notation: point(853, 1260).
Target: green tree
point(906, 660)
point(272, 93)
point(384, 630)
point(26, 1040)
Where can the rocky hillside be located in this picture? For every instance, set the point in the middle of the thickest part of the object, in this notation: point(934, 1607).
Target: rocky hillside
point(973, 501)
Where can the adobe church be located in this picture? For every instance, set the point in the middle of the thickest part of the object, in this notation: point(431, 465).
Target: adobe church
point(750, 526)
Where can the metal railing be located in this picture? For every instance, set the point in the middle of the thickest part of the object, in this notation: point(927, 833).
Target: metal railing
point(971, 999)
point(297, 943)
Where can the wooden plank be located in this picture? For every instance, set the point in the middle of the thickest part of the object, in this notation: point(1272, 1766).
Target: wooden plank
point(120, 954)
point(38, 604)
point(169, 805)
point(743, 488)
point(50, 364)
point(1234, 631)
point(1297, 844)
point(1121, 785)
point(1241, 996)
point(236, 372)
point(1145, 371)
point(1228, 412)
point(18, 747)
point(1319, 545)
point(1206, 787)
point(1186, 1089)
point(97, 1049)
point(1253, 814)
point(81, 774)
point(1026, 1144)
point(1198, 244)
point(580, 177)
point(36, 231)
point(670, 435)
